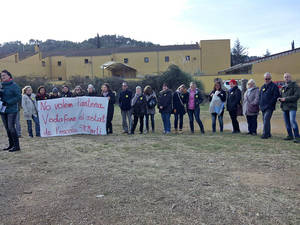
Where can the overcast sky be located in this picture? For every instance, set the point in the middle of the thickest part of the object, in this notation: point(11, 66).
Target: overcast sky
point(259, 24)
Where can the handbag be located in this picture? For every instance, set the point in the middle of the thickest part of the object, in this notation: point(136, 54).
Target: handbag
point(239, 110)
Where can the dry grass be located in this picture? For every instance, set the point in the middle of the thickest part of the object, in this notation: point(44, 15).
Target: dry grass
point(151, 179)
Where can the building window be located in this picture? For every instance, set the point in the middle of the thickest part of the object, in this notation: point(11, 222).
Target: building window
point(59, 78)
point(43, 63)
point(194, 58)
point(167, 58)
point(59, 63)
point(187, 58)
point(86, 61)
point(146, 59)
point(125, 60)
point(87, 77)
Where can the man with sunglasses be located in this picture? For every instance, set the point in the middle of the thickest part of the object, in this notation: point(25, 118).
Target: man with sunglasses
point(268, 96)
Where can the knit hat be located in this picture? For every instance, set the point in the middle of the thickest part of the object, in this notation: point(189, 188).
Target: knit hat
point(233, 81)
point(55, 90)
point(90, 86)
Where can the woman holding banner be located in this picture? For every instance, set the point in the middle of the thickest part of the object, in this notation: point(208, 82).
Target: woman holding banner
point(107, 93)
point(29, 106)
point(10, 96)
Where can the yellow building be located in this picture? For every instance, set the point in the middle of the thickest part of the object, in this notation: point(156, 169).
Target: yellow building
point(208, 57)
point(277, 65)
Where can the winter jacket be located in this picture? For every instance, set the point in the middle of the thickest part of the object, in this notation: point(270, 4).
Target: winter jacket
point(198, 98)
point(291, 93)
point(11, 95)
point(91, 94)
point(179, 102)
point(111, 105)
point(74, 94)
point(221, 95)
point(125, 100)
point(29, 106)
point(150, 110)
point(268, 96)
point(217, 101)
point(66, 95)
point(42, 97)
point(54, 97)
point(233, 99)
point(165, 100)
point(251, 102)
point(139, 105)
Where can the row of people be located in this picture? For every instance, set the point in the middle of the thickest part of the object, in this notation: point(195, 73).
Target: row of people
point(142, 105)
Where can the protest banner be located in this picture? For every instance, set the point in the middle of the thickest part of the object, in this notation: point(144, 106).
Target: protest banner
point(68, 116)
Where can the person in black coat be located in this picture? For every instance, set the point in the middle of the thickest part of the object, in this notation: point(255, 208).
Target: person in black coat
point(165, 107)
point(78, 92)
point(107, 93)
point(139, 107)
point(233, 102)
point(193, 106)
point(217, 99)
point(125, 106)
point(54, 94)
point(268, 96)
point(180, 98)
point(66, 93)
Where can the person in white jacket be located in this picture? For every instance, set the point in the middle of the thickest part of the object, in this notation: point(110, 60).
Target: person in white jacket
point(29, 106)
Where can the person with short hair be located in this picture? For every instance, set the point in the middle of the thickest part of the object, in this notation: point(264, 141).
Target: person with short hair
point(30, 111)
point(165, 107)
point(91, 91)
point(268, 96)
point(290, 93)
point(251, 106)
point(125, 98)
point(234, 97)
point(193, 106)
point(180, 98)
point(106, 92)
point(10, 96)
point(217, 98)
point(66, 93)
point(151, 103)
point(55, 93)
point(139, 105)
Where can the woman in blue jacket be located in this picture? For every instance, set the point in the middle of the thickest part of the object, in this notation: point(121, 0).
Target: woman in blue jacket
point(10, 96)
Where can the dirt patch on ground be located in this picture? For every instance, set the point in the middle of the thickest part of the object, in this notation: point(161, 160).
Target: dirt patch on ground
point(150, 179)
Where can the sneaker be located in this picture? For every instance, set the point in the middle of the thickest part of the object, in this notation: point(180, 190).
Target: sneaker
point(288, 138)
point(264, 137)
point(15, 149)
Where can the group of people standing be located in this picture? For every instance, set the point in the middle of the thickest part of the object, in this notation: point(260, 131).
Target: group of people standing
point(141, 106)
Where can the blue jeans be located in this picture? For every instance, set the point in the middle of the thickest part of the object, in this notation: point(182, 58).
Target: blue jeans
point(37, 126)
point(166, 121)
point(152, 121)
point(176, 116)
point(252, 124)
point(195, 113)
point(18, 125)
point(291, 123)
point(267, 115)
point(9, 122)
point(214, 121)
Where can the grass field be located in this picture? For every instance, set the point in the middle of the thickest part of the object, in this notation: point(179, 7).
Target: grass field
point(151, 179)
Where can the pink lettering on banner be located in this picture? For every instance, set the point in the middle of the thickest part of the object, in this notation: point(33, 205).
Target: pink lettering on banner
point(95, 118)
point(44, 106)
point(61, 131)
point(63, 105)
point(89, 129)
point(90, 104)
point(47, 132)
point(58, 119)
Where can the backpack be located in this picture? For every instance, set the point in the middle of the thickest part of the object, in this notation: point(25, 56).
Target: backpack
point(151, 103)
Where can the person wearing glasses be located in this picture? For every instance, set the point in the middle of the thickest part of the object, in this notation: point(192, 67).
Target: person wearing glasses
point(268, 96)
